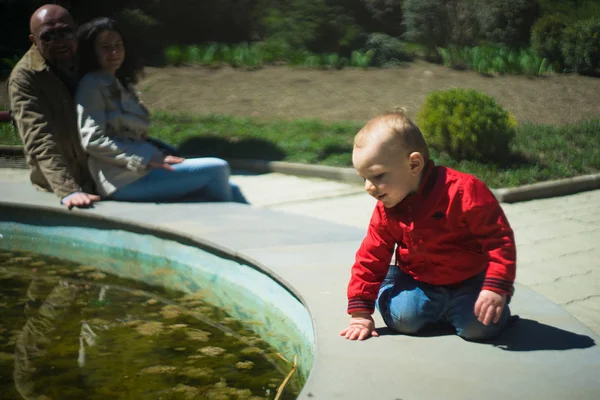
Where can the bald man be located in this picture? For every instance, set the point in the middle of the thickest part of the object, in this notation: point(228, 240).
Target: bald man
point(41, 90)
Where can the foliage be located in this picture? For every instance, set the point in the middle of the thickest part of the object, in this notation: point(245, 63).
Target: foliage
point(386, 16)
point(572, 10)
point(192, 21)
point(467, 124)
point(9, 134)
point(507, 22)
point(389, 51)
point(438, 23)
point(362, 60)
point(302, 140)
point(9, 62)
point(546, 152)
point(174, 55)
point(255, 55)
point(540, 152)
point(581, 46)
point(315, 25)
point(141, 29)
point(546, 39)
point(495, 59)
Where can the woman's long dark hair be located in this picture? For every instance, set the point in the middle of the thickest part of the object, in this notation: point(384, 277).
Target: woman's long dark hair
point(88, 60)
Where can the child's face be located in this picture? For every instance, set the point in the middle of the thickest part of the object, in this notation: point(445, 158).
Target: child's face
point(389, 175)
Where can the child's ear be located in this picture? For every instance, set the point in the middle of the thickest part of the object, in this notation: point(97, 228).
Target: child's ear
point(417, 163)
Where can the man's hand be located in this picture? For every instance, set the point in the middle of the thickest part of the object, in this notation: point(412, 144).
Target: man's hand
point(82, 200)
point(489, 306)
point(166, 162)
point(361, 327)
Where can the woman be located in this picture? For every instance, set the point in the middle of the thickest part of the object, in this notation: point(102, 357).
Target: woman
point(113, 125)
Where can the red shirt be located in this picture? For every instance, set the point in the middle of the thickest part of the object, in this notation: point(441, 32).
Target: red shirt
point(452, 229)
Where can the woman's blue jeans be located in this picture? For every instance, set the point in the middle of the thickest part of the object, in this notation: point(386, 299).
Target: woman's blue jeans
point(407, 306)
point(195, 179)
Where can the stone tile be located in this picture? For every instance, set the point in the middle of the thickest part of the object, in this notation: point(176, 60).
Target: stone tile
point(14, 175)
point(571, 289)
point(557, 247)
point(587, 311)
point(273, 189)
point(546, 271)
point(353, 210)
point(534, 234)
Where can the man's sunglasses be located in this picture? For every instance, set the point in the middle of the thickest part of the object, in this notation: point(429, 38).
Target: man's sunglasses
point(57, 34)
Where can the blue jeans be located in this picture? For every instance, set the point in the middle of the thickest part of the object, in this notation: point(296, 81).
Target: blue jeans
point(195, 179)
point(407, 305)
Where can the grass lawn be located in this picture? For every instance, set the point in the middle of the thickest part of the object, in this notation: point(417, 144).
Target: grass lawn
point(539, 152)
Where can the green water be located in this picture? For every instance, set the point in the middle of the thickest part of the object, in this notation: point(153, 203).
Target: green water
point(69, 331)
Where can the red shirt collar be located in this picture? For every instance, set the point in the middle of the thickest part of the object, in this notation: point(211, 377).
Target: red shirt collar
point(427, 176)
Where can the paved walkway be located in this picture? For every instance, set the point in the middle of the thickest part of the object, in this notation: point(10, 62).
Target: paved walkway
point(558, 240)
point(312, 257)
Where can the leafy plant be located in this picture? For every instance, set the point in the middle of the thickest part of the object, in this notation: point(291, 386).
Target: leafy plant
point(210, 54)
point(546, 39)
point(506, 22)
point(389, 51)
point(467, 124)
point(173, 55)
point(581, 46)
point(493, 59)
point(362, 60)
point(10, 62)
point(193, 54)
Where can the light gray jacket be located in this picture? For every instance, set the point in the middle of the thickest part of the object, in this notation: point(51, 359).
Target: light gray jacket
point(113, 125)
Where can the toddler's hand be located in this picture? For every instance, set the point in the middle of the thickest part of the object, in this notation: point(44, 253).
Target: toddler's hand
point(489, 306)
point(361, 327)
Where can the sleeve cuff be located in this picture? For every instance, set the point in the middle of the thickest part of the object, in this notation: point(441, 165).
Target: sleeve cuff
point(498, 285)
point(360, 305)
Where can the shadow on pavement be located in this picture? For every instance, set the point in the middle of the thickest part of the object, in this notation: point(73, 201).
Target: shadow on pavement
point(521, 334)
point(529, 335)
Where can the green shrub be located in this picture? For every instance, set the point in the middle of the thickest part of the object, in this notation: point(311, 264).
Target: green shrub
point(507, 22)
point(193, 54)
point(466, 124)
point(438, 23)
point(385, 16)
point(546, 38)
point(174, 55)
point(362, 60)
point(495, 59)
point(581, 46)
point(274, 49)
point(389, 51)
point(319, 26)
point(143, 30)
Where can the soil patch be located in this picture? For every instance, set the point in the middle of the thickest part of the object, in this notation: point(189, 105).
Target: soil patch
point(354, 94)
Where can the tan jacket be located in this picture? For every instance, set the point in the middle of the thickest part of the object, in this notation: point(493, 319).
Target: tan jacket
point(113, 126)
point(44, 111)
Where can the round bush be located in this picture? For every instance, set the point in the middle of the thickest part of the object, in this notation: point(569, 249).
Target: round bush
point(389, 51)
point(546, 39)
point(467, 124)
point(581, 46)
point(507, 22)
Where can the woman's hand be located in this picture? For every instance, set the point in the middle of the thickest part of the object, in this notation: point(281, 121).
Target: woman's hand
point(165, 162)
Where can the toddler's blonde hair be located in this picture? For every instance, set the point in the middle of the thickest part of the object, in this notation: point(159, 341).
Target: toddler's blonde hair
point(400, 133)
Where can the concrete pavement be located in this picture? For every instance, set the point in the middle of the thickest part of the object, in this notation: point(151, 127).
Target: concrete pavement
point(558, 239)
point(548, 353)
